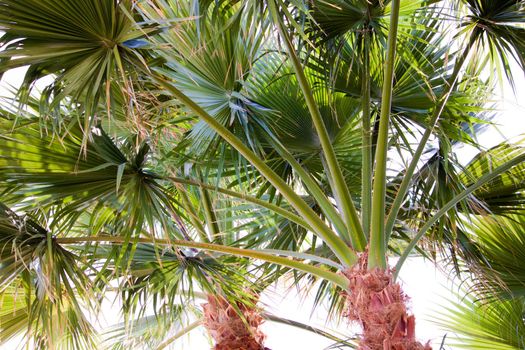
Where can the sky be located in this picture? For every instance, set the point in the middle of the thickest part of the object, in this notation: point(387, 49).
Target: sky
point(427, 287)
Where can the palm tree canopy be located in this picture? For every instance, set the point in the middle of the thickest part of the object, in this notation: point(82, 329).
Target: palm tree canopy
point(188, 147)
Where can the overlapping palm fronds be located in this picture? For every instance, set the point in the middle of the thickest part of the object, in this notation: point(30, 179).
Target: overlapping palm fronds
point(215, 146)
point(44, 289)
point(499, 26)
point(59, 176)
point(85, 47)
point(497, 325)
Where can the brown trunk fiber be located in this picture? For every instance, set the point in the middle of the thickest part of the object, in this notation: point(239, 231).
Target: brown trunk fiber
point(379, 306)
point(228, 329)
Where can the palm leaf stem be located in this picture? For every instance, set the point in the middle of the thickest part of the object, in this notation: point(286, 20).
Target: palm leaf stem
point(334, 172)
point(314, 189)
point(407, 179)
point(377, 249)
point(179, 334)
point(268, 317)
point(304, 256)
point(193, 216)
point(344, 253)
point(333, 277)
point(366, 151)
point(209, 213)
point(306, 327)
point(270, 206)
point(483, 180)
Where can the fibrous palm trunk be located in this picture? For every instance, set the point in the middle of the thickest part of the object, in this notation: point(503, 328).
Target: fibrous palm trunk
point(378, 304)
point(228, 329)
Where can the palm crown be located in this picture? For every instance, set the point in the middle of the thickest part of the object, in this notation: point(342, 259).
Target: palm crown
point(201, 149)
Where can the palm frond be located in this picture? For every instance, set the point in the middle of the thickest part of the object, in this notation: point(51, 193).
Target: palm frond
point(44, 286)
point(167, 277)
point(148, 331)
point(498, 267)
point(505, 194)
point(60, 173)
point(498, 25)
point(209, 60)
point(478, 326)
point(84, 47)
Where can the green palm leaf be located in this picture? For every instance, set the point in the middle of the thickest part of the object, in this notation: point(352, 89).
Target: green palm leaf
point(505, 194)
point(42, 285)
point(85, 46)
point(499, 28)
point(498, 325)
point(209, 60)
point(500, 264)
point(74, 178)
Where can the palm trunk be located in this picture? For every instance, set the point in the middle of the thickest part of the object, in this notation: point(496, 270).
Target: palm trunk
point(378, 304)
point(233, 327)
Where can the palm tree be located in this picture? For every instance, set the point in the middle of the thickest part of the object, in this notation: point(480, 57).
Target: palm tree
point(190, 147)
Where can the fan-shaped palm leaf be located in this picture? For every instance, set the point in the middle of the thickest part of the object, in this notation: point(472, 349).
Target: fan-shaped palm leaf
point(498, 325)
point(59, 174)
point(86, 46)
point(42, 285)
point(499, 27)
